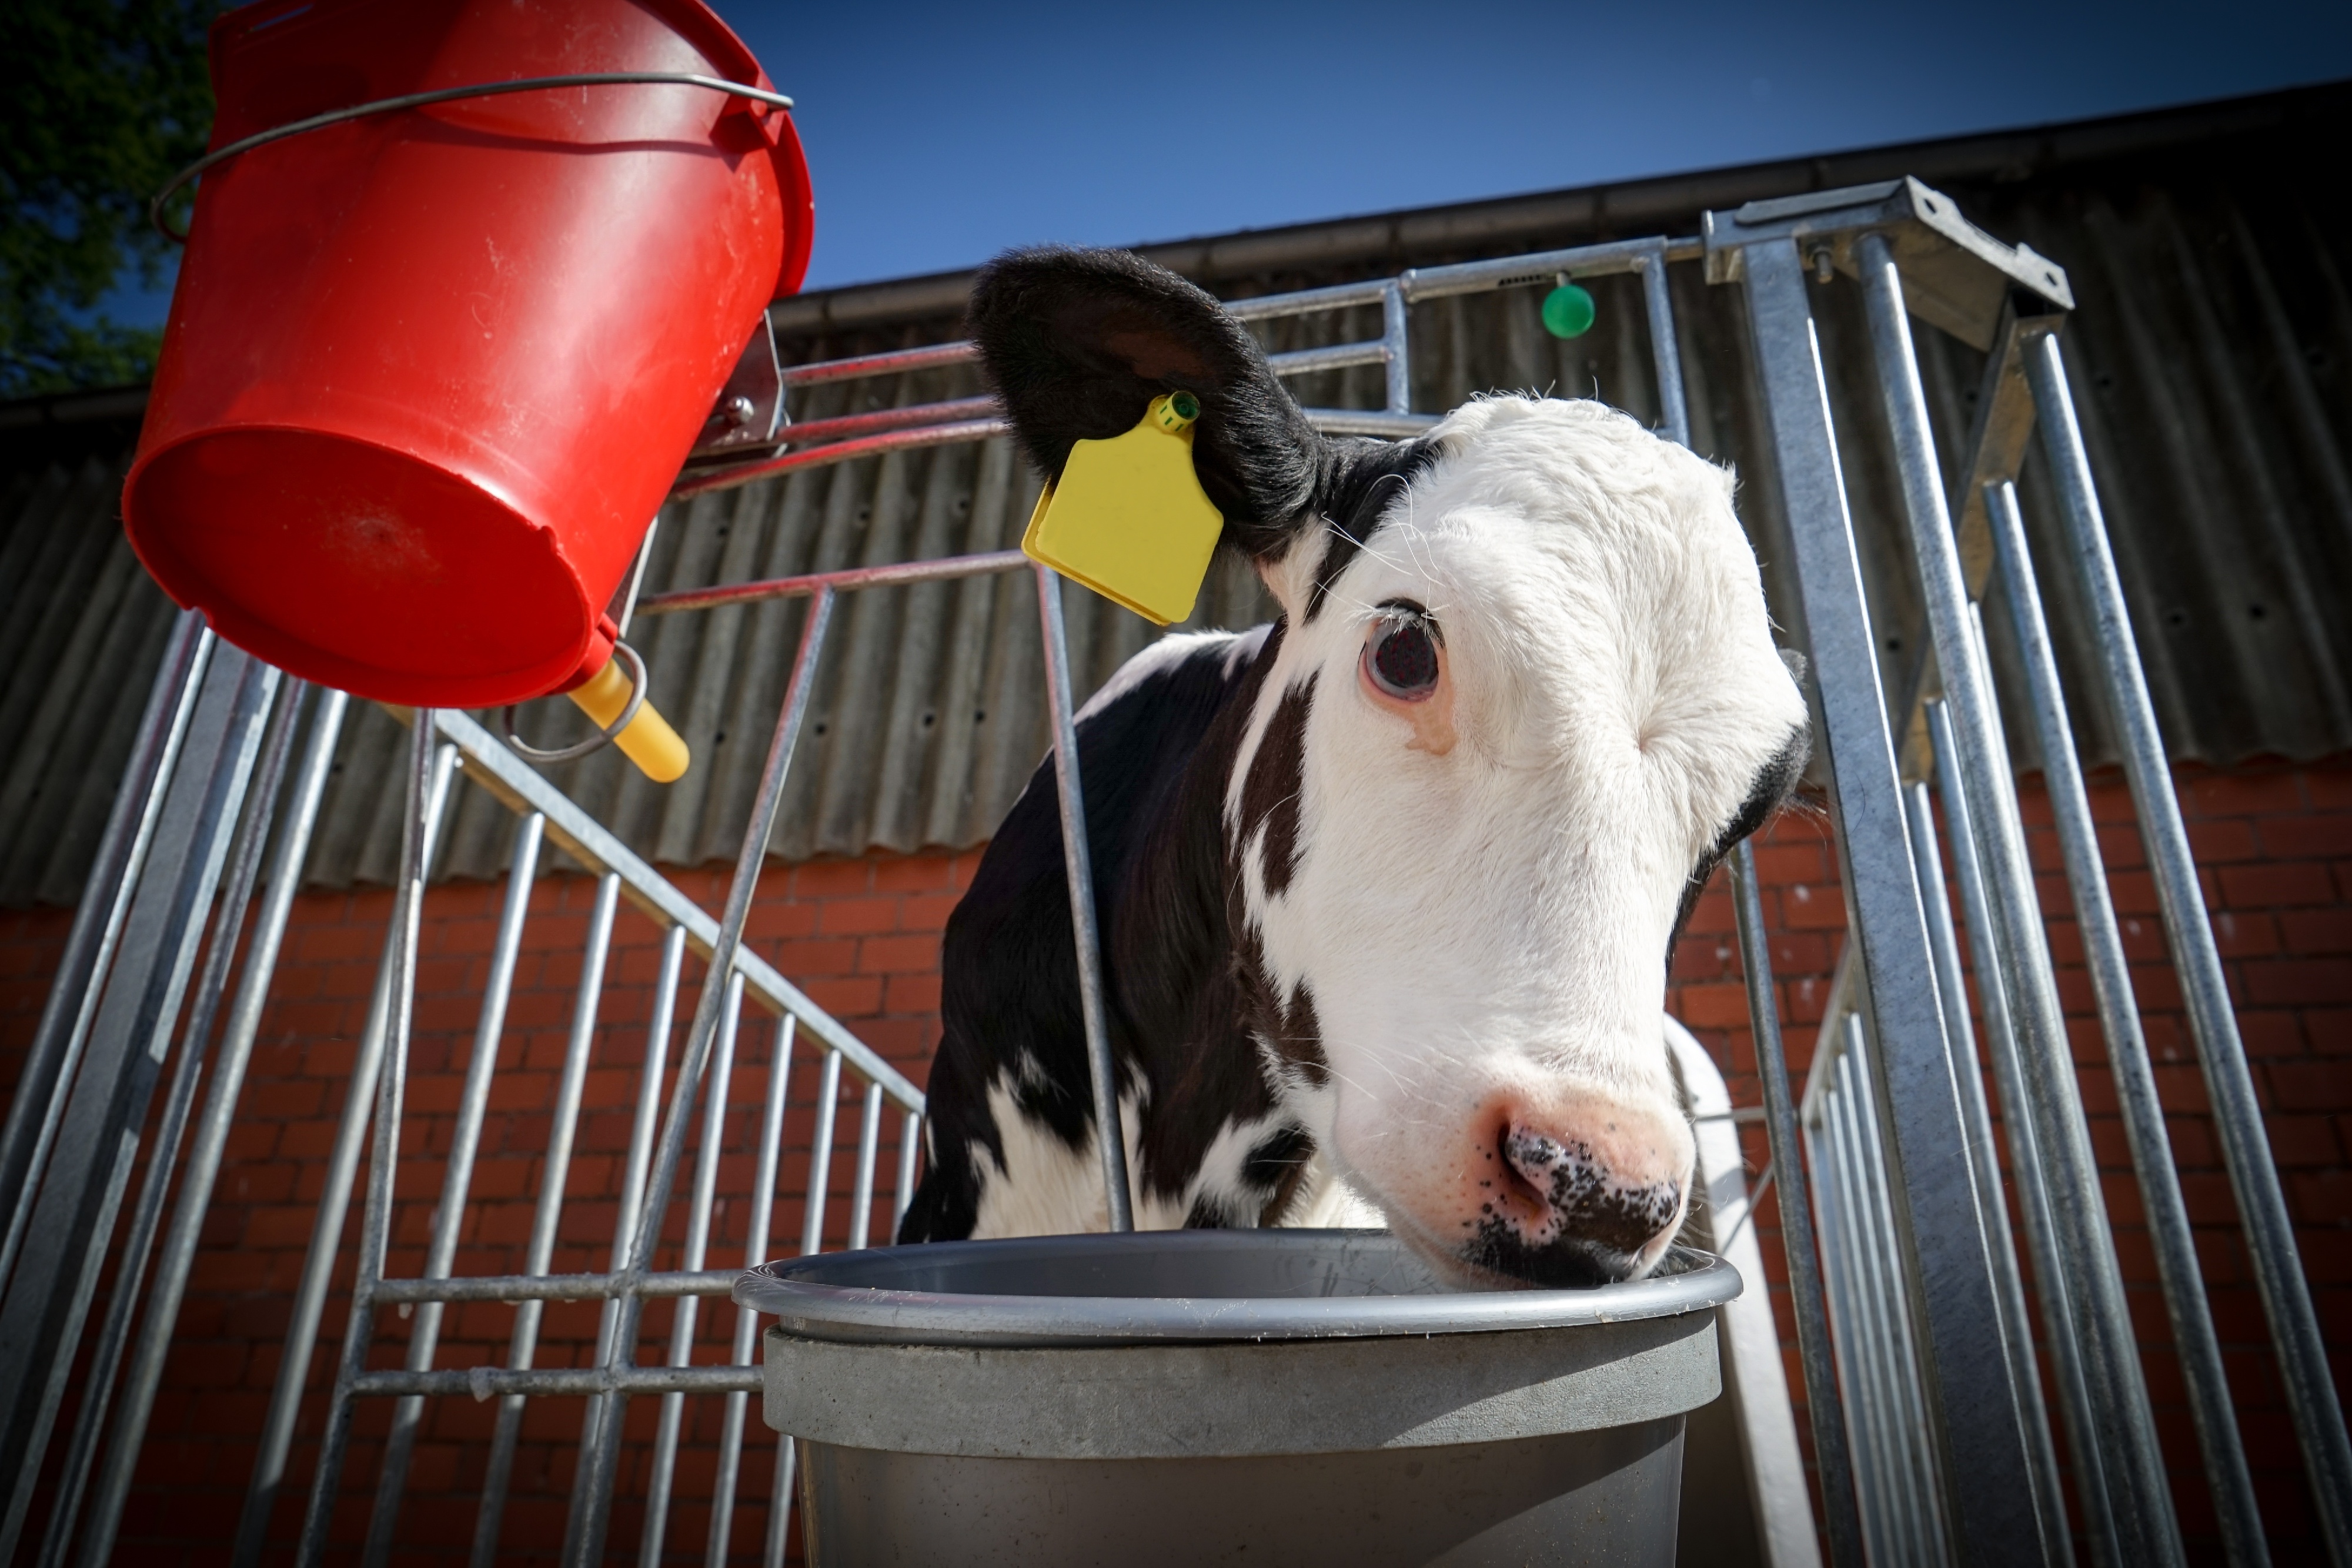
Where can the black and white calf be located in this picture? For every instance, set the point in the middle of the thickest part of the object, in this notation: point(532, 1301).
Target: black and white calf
point(1386, 888)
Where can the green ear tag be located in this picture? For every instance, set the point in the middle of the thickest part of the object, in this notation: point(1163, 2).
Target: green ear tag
point(1130, 518)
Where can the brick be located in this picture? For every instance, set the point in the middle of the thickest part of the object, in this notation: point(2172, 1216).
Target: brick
point(2277, 885)
point(913, 873)
point(858, 916)
point(2315, 930)
point(831, 878)
point(2244, 793)
point(897, 955)
point(2305, 837)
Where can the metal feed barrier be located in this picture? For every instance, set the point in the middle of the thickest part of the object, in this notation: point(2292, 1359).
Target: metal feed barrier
point(1926, 1387)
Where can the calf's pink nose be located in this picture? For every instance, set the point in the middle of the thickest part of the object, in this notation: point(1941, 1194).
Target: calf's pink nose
point(1585, 1199)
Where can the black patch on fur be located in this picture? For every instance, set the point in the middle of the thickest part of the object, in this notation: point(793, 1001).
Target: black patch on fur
point(1278, 775)
point(1361, 479)
point(1155, 764)
point(1773, 784)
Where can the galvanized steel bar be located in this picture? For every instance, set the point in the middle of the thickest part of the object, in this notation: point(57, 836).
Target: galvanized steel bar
point(1909, 1436)
point(1077, 867)
point(1665, 352)
point(1842, 1522)
point(457, 1179)
point(43, 1081)
point(909, 1145)
point(2026, 1173)
point(609, 1382)
point(896, 361)
point(2142, 1497)
point(1396, 349)
point(522, 788)
point(326, 1226)
point(563, 1130)
point(721, 1075)
point(599, 1464)
point(1937, 1220)
point(746, 1321)
point(1303, 301)
point(2237, 1111)
point(820, 1166)
point(178, 1257)
point(861, 1202)
point(1860, 1346)
point(637, 1169)
point(944, 568)
point(709, 481)
point(1329, 357)
point(522, 1288)
point(179, 1101)
point(2048, 1493)
point(77, 1203)
point(376, 1221)
point(1541, 266)
point(777, 1539)
point(809, 432)
point(2193, 1338)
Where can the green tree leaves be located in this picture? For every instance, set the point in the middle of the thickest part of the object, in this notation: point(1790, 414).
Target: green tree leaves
point(101, 103)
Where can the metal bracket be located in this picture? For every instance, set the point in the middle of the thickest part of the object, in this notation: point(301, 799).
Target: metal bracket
point(750, 408)
point(1955, 276)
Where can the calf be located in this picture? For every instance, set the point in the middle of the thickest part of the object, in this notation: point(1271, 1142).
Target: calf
point(1386, 888)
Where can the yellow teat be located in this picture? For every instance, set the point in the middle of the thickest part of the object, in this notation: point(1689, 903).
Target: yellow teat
point(1130, 518)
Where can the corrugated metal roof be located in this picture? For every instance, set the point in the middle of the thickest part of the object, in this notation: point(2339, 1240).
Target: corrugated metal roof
point(2211, 353)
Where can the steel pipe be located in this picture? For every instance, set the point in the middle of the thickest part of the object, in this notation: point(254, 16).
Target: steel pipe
point(563, 1129)
point(599, 1462)
point(2237, 1111)
point(721, 1075)
point(746, 1321)
point(327, 1226)
point(375, 1217)
point(2142, 1498)
point(861, 1201)
point(2193, 1339)
point(58, 1040)
point(213, 1127)
point(179, 1101)
point(1077, 867)
point(1938, 1233)
point(458, 1177)
point(1842, 1522)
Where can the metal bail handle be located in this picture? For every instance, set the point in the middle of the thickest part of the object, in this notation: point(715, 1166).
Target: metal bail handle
point(596, 742)
point(444, 95)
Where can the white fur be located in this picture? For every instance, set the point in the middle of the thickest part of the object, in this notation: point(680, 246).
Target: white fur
point(1487, 926)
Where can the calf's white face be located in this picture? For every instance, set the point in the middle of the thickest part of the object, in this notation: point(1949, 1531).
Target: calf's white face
point(1487, 763)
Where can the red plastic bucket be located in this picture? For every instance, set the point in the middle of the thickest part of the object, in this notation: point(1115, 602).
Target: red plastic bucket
point(429, 374)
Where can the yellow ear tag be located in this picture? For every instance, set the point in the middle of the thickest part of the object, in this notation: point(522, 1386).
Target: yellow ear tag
point(1130, 518)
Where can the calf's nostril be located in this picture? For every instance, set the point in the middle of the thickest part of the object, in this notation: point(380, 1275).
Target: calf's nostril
point(1582, 1196)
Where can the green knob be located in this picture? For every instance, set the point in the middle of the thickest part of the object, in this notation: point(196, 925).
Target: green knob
point(1567, 311)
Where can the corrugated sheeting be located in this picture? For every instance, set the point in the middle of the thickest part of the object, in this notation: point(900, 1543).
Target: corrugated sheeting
point(2210, 357)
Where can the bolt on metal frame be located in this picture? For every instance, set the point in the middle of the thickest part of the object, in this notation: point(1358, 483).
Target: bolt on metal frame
point(1925, 1396)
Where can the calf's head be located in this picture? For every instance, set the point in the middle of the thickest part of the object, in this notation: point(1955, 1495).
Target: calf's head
point(1523, 696)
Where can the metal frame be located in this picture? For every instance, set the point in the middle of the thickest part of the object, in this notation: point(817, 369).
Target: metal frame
point(1925, 1389)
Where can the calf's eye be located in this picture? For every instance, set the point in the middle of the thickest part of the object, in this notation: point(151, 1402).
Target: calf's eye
point(1402, 660)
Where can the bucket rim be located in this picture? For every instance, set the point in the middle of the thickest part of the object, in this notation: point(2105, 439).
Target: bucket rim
point(798, 1293)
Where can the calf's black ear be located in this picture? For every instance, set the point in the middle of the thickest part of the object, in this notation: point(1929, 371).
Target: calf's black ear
point(1078, 343)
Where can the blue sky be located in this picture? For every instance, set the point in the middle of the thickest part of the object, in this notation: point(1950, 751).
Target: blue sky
point(939, 134)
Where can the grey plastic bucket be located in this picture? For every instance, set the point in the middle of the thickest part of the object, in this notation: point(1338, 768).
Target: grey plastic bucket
point(1245, 1396)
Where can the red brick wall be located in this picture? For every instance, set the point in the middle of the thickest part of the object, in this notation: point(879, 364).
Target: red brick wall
point(862, 938)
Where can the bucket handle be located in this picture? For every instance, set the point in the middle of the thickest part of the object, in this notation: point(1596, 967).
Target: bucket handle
point(443, 95)
point(598, 741)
